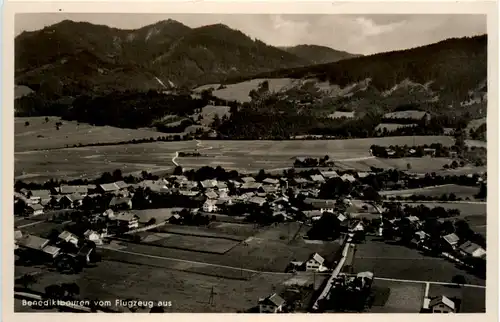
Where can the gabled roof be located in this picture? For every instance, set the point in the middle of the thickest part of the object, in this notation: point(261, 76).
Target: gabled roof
point(211, 202)
point(470, 248)
point(329, 174)
point(73, 189)
point(257, 200)
point(36, 207)
point(208, 183)
point(273, 299)
point(122, 184)
point(66, 235)
point(451, 239)
point(348, 177)
point(251, 185)
point(108, 187)
point(119, 200)
point(52, 250)
point(74, 197)
point(442, 299)
point(413, 218)
point(270, 181)
point(33, 242)
point(247, 179)
point(318, 258)
point(126, 216)
point(317, 178)
point(211, 194)
point(40, 193)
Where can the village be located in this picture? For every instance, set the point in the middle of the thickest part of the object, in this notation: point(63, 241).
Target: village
point(80, 221)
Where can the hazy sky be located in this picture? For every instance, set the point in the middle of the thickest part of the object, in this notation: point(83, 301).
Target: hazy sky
point(362, 34)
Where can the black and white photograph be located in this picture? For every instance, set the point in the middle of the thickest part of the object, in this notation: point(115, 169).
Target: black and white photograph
point(250, 163)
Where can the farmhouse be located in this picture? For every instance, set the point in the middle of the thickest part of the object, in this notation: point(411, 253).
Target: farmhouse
point(127, 219)
point(93, 236)
point(208, 184)
point(473, 250)
point(329, 174)
point(271, 181)
point(69, 201)
point(38, 195)
point(315, 263)
point(34, 210)
point(258, 201)
point(210, 205)
point(247, 179)
point(68, 237)
point(250, 186)
point(348, 177)
point(69, 190)
point(210, 194)
point(120, 203)
point(451, 240)
point(37, 243)
point(108, 188)
point(317, 178)
point(440, 304)
point(271, 304)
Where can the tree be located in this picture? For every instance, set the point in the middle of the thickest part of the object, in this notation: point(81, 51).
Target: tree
point(178, 170)
point(151, 221)
point(27, 280)
point(26, 123)
point(46, 119)
point(408, 166)
point(117, 175)
point(459, 280)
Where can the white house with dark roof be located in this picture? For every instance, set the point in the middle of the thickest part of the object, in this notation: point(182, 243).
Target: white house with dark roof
point(271, 304)
point(440, 304)
point(315, 263)
point(210, 205)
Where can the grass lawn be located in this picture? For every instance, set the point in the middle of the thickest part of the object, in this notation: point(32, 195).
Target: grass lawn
point(399, 262)
point(44, 135)
point(458, 190)
point(402, 297)
point(188, 292)
point(160, 214)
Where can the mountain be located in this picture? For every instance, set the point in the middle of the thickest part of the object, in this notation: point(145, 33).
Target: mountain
point(85, 56)
point(318, 54)
point(448, 70)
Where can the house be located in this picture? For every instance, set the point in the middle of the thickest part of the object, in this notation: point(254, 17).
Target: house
point(127, 220)
point(257, 200)
point(68, 237)
point(471, 249)
point(329, 174)
point(271, 181)
point(69, 190)
point(317, 178)
point(315, 263)
point(93, 236)
point(34, 210)
point(32, 242)
point(210, 194)
point(271, 304)
point(247, 179)
point(222, 187)
point(268, 189)
point(108, 188)
point(357, 227)
point(120, 203)
point(250, 186)
point(348, 177)
point(430, 152)
point(155, 186)
point(301, 182)
point(451, 240)
point(122, 185)
point(414, 221)
point(440, 304)
point(38, 195)
point(210, 205)
point(70, 201)
point(206, 184)
point(175, 219)
point(109, 214)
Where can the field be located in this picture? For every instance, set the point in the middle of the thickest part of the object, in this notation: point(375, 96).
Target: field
point(209, 112)
point(189, 292)
point(403, 297)
point(473, 299)
point(42, 135)
point(161, 214)
point(459, 191)
point(251, 269)
point(474, 124)
point(239, 155)
point(239, 92)
point(399, 262)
